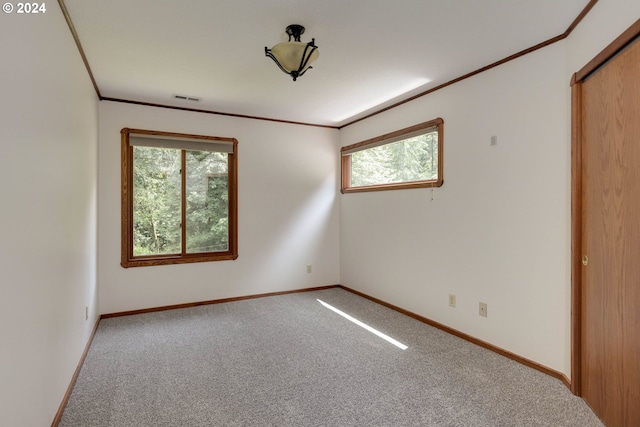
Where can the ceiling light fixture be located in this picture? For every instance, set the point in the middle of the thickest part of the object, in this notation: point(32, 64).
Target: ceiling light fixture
point(294, 57)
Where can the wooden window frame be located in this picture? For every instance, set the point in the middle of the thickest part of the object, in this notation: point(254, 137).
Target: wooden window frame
point(128, 259)
point(345, 186)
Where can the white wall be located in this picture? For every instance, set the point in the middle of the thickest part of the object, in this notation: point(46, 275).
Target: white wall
point(498, 231)
point(602, 25)
point(48, 188)
point(288, 211)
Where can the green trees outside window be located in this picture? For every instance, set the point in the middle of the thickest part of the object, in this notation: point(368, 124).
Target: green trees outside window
point(408, 158)
point(157, 201)
point(179, 203)
point(413, 159)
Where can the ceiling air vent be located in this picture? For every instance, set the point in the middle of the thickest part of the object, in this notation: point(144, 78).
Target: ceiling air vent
point(187, 98)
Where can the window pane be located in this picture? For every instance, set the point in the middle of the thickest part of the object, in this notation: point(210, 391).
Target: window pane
point(207, 202)
point(156, 201)
point(412, 159)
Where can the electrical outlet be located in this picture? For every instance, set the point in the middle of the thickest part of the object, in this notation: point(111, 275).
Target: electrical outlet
point(452, 300)
point(483, 309)
point(309, 268)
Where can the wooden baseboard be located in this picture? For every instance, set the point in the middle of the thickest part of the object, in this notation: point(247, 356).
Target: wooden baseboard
point(209, 302)
point(566, 381)
point(522, 360)
point(74, 378)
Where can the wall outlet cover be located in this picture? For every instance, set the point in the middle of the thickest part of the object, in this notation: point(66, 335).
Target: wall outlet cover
point(483, 309)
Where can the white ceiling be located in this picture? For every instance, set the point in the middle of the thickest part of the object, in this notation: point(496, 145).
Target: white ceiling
point(373, 53)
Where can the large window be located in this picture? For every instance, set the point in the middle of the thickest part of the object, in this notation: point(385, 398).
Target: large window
point(179, 198)
point(408, 158)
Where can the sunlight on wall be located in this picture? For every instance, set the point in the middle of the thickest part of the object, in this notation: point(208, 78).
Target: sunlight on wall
point(301, 231)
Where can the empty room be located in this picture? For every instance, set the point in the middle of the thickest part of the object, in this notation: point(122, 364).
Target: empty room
point(340, 213)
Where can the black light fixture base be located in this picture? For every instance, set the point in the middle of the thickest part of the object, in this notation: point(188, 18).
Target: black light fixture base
point(295, 31)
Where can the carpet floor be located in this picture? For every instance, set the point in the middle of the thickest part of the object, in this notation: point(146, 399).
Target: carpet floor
point(290, 361)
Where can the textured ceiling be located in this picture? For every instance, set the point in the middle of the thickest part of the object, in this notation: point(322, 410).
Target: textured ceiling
point(373, 53)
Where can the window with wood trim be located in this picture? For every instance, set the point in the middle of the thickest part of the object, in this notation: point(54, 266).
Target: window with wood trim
point(179, 198)
point(407, 158)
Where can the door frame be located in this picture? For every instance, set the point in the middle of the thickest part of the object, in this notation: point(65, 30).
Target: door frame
point(577, 80)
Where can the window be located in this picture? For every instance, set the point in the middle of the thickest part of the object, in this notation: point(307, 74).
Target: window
point(179, 198)
point(408, 158)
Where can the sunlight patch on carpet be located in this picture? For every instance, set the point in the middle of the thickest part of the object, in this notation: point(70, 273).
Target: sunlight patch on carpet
point(364, 325)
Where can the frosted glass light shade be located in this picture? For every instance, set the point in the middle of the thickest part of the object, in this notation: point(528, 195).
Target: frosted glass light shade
point(294, 57)
point(290, 56)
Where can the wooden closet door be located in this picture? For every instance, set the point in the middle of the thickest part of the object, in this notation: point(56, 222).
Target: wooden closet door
point(610, 324)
